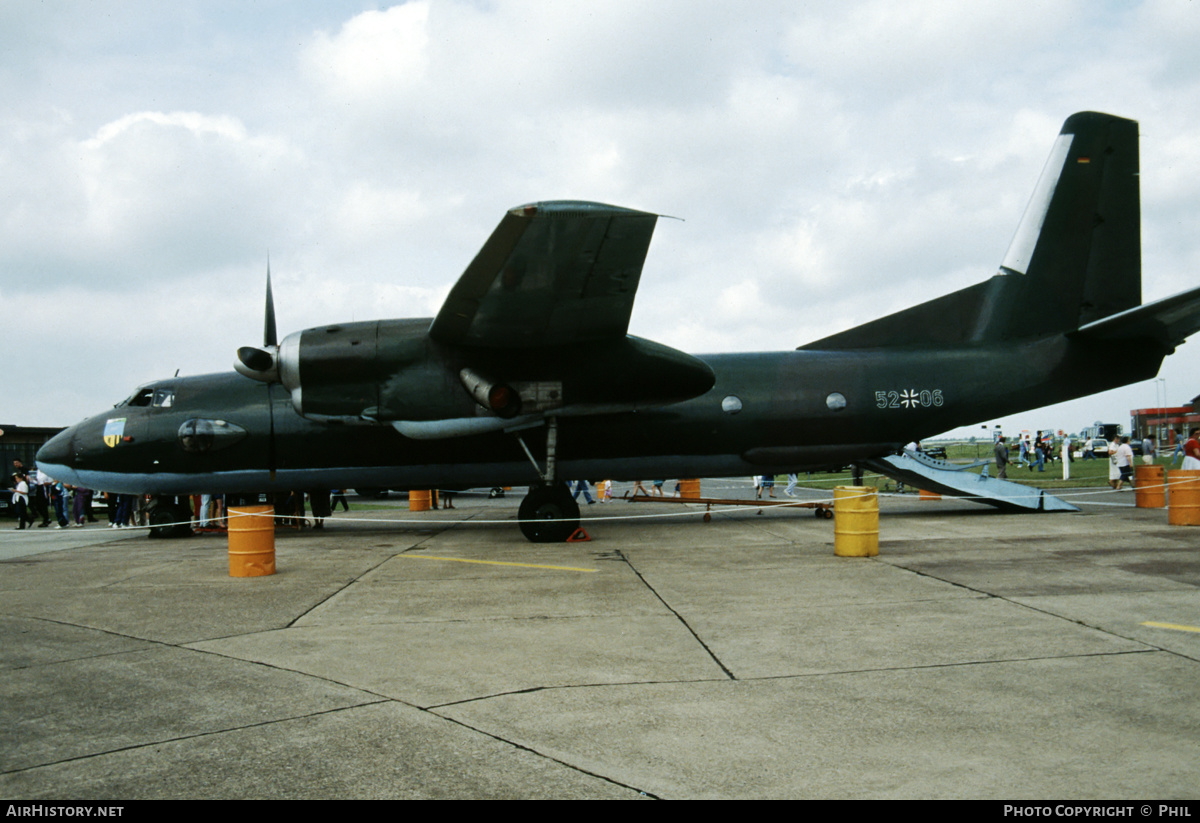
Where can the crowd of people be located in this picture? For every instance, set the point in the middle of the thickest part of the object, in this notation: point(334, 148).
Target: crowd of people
point(38, 497)
point(1119, 453)
point(41, 500)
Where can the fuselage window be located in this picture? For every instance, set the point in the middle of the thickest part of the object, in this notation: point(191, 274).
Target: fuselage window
point(836, 401)
point(731, 404)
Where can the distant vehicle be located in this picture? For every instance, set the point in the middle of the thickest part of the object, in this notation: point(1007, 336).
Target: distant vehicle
point(1099, 446)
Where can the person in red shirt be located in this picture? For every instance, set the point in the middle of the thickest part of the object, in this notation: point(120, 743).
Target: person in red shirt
point(1191, 451)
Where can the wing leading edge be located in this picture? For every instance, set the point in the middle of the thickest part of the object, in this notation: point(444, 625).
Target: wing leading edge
point(552, 273)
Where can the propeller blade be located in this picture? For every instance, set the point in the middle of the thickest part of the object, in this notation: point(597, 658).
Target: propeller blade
point(269, 336)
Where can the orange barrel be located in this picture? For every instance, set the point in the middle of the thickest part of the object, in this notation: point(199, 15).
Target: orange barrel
point(419, 501)
point(929, 495)
point(1148, 488)
point(251, 541)
point(689, 489)
point(855, 521)
point(1184, 508)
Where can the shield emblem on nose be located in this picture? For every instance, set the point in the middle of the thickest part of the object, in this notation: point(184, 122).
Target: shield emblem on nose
point(113, 429)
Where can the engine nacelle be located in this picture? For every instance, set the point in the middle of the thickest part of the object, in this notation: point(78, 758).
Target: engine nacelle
point(391, 370)
point(366, 372)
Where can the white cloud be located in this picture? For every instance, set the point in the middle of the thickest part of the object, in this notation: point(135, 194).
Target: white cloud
point(147, 194)
point(366, 211)
point(375, 54)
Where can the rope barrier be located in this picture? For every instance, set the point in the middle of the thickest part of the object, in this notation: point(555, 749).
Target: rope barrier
point(709, 508)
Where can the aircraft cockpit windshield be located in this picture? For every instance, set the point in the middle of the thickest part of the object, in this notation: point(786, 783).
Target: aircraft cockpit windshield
point(156, 397)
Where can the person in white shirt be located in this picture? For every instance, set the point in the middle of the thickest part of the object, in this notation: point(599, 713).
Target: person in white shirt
point(20, 499)
point(1125, 463)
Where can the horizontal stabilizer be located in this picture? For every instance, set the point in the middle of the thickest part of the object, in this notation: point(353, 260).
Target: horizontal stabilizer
point(1170, 321)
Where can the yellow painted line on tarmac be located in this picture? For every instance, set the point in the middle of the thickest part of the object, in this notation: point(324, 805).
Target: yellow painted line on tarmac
point(498, 563)
point(1174, 626)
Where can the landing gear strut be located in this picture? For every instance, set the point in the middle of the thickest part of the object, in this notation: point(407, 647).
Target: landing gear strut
point(548, 513)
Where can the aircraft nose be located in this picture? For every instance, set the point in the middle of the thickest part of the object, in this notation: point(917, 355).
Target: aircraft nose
point(57, 451)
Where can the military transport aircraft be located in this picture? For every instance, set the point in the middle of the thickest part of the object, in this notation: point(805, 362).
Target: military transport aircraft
point(501, 389)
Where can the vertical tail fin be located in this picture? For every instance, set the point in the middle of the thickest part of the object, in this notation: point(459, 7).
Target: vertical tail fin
point(1079, 243)
point(1075, 258)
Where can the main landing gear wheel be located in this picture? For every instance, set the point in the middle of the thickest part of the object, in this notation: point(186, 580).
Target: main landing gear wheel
point(548, 514)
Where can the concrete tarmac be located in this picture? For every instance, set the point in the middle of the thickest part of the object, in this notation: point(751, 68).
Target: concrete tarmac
point(981, 655)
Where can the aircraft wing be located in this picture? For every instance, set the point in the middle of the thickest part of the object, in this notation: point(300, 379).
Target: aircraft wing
point(1170, 320)
point(552, 273)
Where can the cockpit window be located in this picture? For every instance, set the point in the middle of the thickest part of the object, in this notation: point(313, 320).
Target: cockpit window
point(158, 398)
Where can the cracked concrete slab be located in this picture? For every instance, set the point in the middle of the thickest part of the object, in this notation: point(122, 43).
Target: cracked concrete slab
point(378, 752)
point(88, 706)
point(1001, 730)
point(429, 664)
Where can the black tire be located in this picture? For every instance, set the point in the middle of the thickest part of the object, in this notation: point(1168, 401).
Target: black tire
point(162, 516)
point(548, 514)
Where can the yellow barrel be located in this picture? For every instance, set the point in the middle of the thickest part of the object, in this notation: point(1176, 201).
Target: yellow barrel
point(929, 495)
point(419, 501)
point(1148, 488)
point(251, 541)
point(855, 521)
point(1184, 508)
point(689, 489)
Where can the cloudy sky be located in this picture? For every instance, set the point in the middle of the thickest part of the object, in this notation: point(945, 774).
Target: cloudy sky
point(831, 162)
